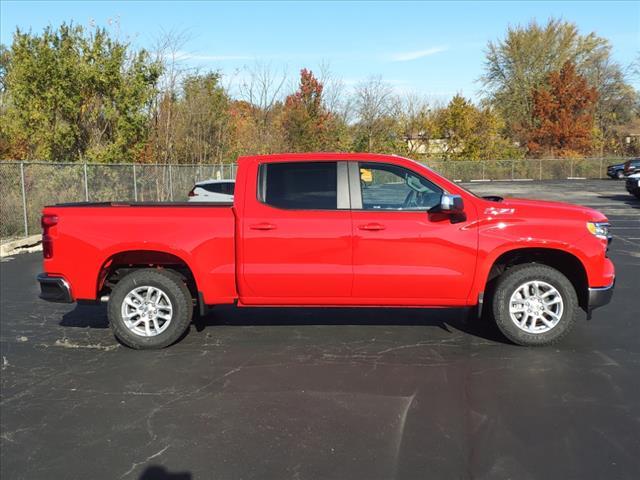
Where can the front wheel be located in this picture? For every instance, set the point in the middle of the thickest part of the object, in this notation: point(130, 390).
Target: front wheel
point(534, 305)
point(619, 174)
point(150, 308)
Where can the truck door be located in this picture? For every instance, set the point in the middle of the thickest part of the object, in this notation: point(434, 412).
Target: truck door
point(296, 235)
point(402, 254)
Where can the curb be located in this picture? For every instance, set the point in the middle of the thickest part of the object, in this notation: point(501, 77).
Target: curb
point(31, 243)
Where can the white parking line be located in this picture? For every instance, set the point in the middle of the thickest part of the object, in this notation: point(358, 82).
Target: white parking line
point(625, 240)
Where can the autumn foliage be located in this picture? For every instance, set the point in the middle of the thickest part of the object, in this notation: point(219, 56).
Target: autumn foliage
point(80, 94)
point(563, 115)
point(304, 118)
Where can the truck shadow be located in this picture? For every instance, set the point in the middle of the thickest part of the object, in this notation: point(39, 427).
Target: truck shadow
point(627, 199)
point(461, 319)
point(86, 315)
point(157, 472)
point(448, 319)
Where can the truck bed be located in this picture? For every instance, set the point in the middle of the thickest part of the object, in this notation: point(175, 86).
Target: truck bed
point(88, 235)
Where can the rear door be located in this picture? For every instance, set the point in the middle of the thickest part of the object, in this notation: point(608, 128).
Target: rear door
point(296, 235)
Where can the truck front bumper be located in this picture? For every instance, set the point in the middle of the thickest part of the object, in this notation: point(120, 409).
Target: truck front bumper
point(600, 296)
point(54, 289)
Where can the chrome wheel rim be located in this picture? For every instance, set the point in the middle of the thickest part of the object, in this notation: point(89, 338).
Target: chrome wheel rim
point(147, 311)
point(536, 307)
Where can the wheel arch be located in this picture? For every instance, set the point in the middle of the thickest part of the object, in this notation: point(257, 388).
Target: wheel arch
point(565, 262)
point(121, 263)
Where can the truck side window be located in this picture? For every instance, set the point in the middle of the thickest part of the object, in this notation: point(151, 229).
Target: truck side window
point(391, 187)
point(299, 185)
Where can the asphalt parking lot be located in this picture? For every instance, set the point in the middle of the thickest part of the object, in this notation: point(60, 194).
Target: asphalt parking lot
point(326, 393)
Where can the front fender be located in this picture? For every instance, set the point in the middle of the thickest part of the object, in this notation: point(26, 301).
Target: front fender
point(498, 237)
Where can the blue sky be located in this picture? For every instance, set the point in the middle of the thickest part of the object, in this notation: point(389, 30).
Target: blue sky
point(431, 48)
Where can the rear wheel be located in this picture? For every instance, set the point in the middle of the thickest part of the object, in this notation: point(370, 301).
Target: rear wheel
point(150, 308)
point(534, 305)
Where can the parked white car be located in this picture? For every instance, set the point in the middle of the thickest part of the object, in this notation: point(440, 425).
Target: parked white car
point(212, 191)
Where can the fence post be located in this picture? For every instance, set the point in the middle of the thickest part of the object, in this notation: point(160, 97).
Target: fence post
point(24, 201)
point(170, 184)
point(513, 163)
point(600, 173)
point(483, 163)
point(86, 183)
point(135, 184)
point(540, 169)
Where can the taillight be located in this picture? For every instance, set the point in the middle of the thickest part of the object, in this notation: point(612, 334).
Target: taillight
point(47, 221)
point(192, 193)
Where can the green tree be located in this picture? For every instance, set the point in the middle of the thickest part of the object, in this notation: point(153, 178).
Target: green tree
point(471, 133)
point(71, 94)
point(203, 129)
point(416, 123)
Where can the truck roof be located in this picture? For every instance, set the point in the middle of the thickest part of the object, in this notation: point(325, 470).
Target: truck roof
point(301, 157)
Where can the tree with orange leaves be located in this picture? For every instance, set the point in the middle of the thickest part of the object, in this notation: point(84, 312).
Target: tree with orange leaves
point(563, 115)
point(304, 117)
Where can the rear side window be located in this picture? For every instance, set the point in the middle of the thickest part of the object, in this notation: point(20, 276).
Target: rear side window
point(299, 185)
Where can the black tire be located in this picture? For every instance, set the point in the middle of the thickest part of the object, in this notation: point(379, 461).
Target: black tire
point(168, 282)
point(516, 276)
point(619, 174)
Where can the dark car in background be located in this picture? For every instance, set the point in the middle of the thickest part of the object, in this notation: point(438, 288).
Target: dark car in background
point(632, 166)
point(621, 170)
point(616, 171)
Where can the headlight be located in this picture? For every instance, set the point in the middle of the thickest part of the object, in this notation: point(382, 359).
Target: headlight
point(598, 229)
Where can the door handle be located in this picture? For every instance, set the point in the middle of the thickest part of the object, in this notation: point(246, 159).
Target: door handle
point(263, 226)
point(372, 226)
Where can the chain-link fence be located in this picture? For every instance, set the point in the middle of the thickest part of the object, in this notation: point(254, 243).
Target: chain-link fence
point(524, 169)
point(28, 186)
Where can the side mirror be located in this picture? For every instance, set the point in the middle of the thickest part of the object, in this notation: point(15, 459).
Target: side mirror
point(452, 204)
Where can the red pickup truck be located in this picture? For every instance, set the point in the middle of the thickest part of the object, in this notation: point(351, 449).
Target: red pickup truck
point(325, 229)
